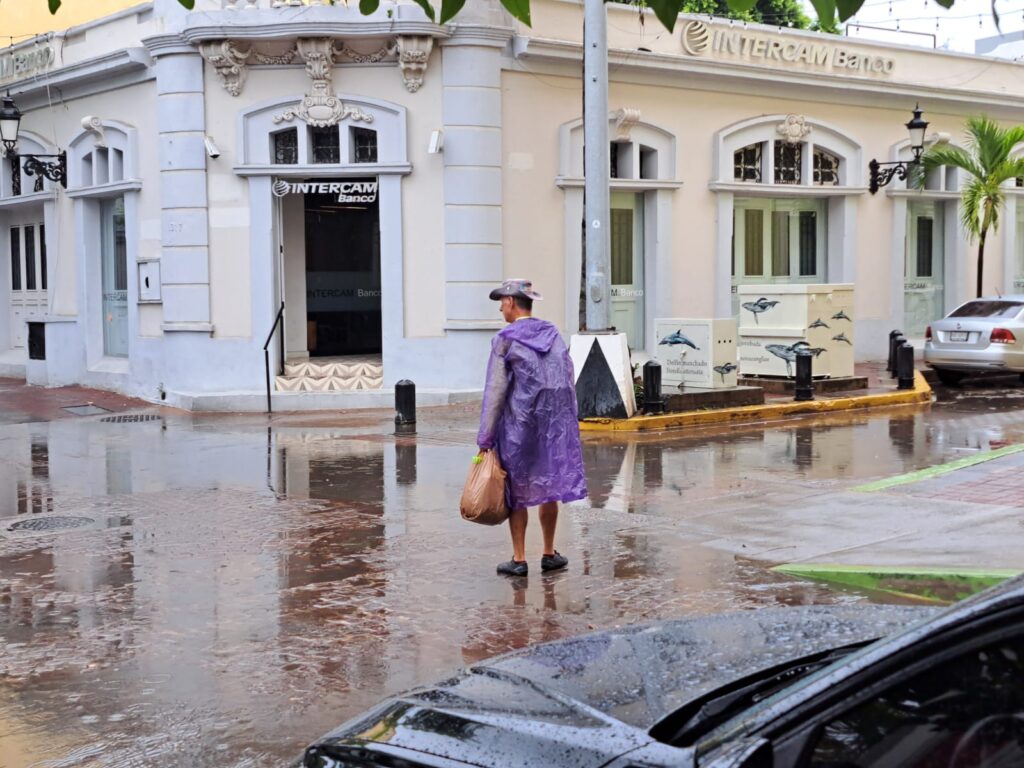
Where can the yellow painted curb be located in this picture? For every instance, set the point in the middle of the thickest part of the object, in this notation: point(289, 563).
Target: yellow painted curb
point(921, 393)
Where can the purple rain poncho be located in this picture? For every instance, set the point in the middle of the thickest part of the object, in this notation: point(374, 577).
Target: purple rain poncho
point(529, 415)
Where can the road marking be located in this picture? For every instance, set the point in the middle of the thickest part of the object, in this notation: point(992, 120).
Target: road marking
point(939, 469)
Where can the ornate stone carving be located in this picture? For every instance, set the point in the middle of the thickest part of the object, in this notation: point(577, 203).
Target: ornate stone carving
point(287, 57)
point(94, 126)
point(413, 55)
point(320, 107)
point(366, 58)
point(794, 128)
point(228, 58)
point(625, 119)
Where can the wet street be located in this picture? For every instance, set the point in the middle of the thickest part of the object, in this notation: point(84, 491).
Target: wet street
point(213, 590)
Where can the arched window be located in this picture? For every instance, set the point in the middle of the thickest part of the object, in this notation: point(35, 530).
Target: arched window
point(101, 155)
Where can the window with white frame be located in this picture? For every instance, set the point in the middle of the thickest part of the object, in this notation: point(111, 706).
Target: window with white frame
point(778, 240)
point(747, 163)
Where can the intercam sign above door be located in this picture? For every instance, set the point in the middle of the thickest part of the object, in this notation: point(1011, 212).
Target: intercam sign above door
point(699, 39)
point(347, 191)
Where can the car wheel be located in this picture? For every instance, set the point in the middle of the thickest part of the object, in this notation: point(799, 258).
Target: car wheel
point(950, 378)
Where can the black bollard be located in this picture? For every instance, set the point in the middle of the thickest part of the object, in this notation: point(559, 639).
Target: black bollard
point(890, 366)
point(652, 388)
point(405, 408)
point(804, 387)
point(898, 341)
point(905, 367)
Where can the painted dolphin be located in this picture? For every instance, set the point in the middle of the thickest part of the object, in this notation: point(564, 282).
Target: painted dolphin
point(788, 353)
point(757, 307)
point(678, 338)
point(722, 370)
point(818, 324)
point(842, 337)
point(841, 315)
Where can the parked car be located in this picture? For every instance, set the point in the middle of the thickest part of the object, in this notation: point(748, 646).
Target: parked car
point(808, 686)
point(984, 334)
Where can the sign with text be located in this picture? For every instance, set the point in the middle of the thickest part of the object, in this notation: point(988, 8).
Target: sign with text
point(695, 353)
point(350, 192)
point(26, 62)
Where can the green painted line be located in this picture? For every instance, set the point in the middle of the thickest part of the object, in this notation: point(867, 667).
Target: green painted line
point(939, 469)
point(933, 585)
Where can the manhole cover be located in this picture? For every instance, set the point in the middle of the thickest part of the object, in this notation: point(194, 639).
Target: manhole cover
point(54, 523)
point(85, 410)
point(130, 417)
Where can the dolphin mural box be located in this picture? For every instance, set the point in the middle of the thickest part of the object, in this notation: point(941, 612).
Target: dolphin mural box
point(695, 353)
point(777, 320)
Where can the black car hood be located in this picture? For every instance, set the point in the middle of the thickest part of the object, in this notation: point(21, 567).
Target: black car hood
point(584, 700)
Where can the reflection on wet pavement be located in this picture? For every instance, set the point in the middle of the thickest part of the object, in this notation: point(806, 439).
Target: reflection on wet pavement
point(239, 590)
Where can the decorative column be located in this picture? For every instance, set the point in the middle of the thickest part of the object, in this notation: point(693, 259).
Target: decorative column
point(471, 112)
point(185, 258)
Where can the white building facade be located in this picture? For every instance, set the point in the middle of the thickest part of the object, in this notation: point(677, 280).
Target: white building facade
point(375, 176)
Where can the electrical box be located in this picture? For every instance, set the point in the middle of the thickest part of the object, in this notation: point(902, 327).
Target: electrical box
point(695, 353)
point(149, 281)
point(776, 321)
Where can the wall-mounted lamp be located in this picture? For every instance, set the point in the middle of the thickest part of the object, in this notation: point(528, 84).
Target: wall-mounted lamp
point(55, 169)
point(436, 143)
point(883, 173)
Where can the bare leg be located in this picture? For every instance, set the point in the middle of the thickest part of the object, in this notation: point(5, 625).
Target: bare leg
point(548, 521)
point(517, 527)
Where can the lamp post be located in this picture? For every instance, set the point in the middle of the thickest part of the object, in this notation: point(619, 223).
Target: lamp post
point(52, 167)
point(883, 173)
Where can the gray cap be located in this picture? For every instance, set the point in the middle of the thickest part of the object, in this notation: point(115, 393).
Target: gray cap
point(516, 287)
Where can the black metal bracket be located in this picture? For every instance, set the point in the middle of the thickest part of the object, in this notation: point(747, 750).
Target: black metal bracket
point(55, 170)
point(882, 173)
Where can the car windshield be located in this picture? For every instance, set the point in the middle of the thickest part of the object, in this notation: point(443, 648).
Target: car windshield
point(989, 308)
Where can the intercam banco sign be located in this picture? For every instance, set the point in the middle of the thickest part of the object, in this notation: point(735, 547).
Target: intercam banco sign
point(698, 39)
point(347, 191)
point(25, 63)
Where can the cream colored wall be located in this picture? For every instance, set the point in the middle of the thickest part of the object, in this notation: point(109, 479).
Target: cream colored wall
point(423, 214)
point(535, 105)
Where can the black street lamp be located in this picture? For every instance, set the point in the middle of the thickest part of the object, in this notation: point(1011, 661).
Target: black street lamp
point(52, 167)
point(880, 176)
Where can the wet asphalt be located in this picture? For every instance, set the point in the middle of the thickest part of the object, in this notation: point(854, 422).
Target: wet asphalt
point(219, 590)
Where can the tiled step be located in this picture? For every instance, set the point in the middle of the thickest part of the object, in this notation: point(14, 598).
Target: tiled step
point(331, 374)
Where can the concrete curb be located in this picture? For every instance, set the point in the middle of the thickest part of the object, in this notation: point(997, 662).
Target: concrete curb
point(919, 395)
point(936, 585)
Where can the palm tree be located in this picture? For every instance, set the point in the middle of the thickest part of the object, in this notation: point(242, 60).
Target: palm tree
point(989, 163)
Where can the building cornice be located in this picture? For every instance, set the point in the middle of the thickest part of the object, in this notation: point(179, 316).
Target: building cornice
point(783, 190)
point(307, 171)
point(27, 200)
point(165, 45)
point(96, 70)
point(710, 74)
point(479, 35)
point(923, 194)
point(106, 190)
point(632, 185)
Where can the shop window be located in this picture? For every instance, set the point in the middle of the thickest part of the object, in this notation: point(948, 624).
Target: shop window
point(747, 163)
point(364, 145)
point(788, 160)
point(286, 147)
point(28, 257)
point(325, 145)
point(826, 168)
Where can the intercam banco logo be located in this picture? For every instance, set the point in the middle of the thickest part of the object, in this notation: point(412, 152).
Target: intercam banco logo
point(347, 191)
point(281, 188)
point(696, 37)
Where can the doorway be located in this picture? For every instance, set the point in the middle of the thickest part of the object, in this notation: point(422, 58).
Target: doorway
point(114, 276)
point(627, 256)
point(923, 286)
point(28, 296)
point(343, 281)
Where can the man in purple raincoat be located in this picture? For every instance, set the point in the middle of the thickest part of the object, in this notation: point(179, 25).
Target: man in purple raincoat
point(529, 417)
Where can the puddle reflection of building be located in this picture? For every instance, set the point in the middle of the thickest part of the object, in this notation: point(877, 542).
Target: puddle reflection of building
point(904, 434)
point(530, 616)
point(25, 485)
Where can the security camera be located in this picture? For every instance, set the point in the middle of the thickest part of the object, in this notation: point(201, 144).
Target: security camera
point(211, 147)
point(436, 143)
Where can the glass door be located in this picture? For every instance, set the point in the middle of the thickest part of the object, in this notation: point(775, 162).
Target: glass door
point(777, 241)
point(627, 252)
point(923, 292)
point(28, 298)
point(114, 274)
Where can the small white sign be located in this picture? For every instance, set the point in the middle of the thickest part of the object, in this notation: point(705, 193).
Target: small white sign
point(697, 353)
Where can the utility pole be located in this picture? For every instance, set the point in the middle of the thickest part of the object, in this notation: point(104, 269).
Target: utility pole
point(596, 163)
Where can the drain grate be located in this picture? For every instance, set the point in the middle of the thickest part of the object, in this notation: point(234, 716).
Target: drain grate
point(53, 523)
point(127, 418)
point(85, 410)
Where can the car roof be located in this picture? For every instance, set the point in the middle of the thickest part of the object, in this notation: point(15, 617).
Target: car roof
point(1008, 297)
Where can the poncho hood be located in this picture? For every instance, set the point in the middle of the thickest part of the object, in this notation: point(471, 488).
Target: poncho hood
point(539, 335)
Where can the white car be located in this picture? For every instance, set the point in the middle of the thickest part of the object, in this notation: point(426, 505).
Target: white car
point(985, 334)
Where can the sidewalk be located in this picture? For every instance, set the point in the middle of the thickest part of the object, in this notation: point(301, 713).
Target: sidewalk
point(880, 393)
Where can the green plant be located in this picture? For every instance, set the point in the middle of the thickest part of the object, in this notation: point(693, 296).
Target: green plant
point(989, 163)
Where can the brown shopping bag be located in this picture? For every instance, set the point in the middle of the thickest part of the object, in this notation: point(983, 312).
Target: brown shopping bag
point(483, 497)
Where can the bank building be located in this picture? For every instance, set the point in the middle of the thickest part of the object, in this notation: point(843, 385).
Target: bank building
point(194, 193)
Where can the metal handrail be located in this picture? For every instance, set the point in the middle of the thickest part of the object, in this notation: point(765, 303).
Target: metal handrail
point(266, 355)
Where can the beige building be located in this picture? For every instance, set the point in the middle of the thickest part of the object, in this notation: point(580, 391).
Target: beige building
point(377, 175)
